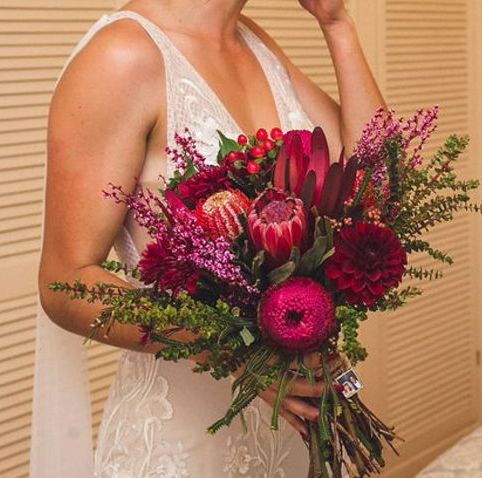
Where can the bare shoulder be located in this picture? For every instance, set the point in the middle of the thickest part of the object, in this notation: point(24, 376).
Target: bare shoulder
point(120, 54)
point(119, 69)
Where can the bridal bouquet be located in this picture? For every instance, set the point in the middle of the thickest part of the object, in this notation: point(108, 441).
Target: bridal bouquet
point(277, 251)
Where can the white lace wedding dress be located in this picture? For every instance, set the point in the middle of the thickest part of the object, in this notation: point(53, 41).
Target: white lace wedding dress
point(155, 419)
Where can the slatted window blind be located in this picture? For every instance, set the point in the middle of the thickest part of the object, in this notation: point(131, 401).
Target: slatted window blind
point(428, 374)
point(36, 37)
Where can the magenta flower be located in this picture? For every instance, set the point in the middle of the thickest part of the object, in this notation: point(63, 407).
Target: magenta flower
point(276, 224)
point(297, 315)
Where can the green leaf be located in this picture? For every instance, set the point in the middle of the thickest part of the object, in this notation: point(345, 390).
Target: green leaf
point(226, 145)
point(295, 255)
point(313, 257)
point(257, 264)
point(247, 336)
point(282, 273)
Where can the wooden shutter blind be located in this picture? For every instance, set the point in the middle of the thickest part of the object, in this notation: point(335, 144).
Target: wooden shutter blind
point(36, 36)
point(429, 348)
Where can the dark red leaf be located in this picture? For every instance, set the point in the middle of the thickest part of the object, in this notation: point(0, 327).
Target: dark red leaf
point(319, 159)
point(330, 191)
point(279, 176)
point(307, 192)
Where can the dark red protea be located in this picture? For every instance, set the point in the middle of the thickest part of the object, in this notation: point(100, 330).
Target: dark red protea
point(204, 183)
point(297, 314)
point(369, 259)
point(220, 213)
point(277, 223)
point(158, 265)
point(303, 167)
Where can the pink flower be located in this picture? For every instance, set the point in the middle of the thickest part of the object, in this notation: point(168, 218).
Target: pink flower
point(276, 224)
point(297, 315)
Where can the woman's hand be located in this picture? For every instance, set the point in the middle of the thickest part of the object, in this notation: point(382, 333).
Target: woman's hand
point(295, 408)
point(327, 12)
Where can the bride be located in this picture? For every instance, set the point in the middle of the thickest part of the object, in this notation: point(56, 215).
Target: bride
point(139, 75)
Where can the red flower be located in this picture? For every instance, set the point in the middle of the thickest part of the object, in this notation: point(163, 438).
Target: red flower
point(368, 260)
point(158, 265)
point(297, 314)
point(277, 223)
point(204, 183)
point(303, 168)
point(305, 137)
point(219, 214)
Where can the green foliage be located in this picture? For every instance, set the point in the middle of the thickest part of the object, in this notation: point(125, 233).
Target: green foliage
point(397, 297)
point(116, 267)
point(432, 194)
point(349, 318)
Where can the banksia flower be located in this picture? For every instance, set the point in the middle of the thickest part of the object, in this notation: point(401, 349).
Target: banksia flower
point(277, 223)
point(297, 314)
point(368, 260)
point(219, 214)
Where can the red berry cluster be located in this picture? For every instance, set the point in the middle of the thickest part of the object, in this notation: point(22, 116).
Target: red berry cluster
point(256, 152)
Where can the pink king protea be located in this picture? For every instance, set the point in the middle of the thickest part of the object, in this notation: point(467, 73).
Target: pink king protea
point(297, 314)
point(277, 223)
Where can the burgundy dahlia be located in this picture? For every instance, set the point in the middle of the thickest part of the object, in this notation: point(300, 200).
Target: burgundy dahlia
point(204, 183)
point(158, 265)
point(368, 260)
point(277, 223)
point(297, 314)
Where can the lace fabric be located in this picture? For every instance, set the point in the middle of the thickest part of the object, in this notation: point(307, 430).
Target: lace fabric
point(155, 419)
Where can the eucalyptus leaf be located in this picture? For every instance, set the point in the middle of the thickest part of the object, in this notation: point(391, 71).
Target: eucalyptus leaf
point(282, 273)
point(313, 257)
point(328, 254)
point(257, 264)
point(295, 255)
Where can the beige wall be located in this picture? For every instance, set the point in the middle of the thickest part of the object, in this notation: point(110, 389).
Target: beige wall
point(422, 52)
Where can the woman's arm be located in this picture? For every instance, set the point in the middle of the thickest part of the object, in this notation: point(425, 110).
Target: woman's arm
point(101, 114)
point(359, 94)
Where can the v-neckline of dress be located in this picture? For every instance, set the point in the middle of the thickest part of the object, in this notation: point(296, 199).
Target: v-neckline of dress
point(244, 31)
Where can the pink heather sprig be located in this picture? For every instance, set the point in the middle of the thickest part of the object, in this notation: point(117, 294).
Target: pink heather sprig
point(186, 149)
point(421, 125)
point(190, 242)
point(371, 150)
point(143, 203)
